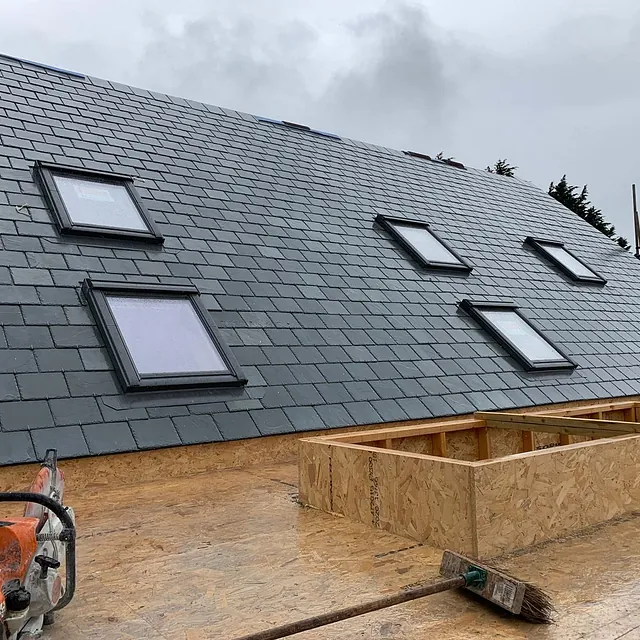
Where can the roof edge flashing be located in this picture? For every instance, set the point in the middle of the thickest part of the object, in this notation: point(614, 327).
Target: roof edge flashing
point(42, 65)
point(298, 127)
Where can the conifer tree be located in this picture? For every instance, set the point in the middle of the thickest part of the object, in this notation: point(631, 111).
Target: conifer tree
point(578, 202)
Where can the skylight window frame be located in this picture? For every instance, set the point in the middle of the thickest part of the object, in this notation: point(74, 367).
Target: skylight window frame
point(538, 245)
point(96, 292)
point(475, 309)
point(45, 173)
point(388, 222)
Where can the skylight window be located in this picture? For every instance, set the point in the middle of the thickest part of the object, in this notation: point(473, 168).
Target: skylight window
point(160, 336)
point(419, 240)
point(92, 203)
point(566, 261)
point(505, 322)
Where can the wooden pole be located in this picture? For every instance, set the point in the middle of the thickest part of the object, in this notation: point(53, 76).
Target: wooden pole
point(636, 222)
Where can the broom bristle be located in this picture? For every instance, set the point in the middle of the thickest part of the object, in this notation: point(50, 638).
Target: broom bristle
point(537, 606)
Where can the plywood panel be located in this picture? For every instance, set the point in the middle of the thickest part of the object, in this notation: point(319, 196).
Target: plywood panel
point(462, 445)
point(147, 466)
point(619, 415)
point(427, 499)
point(418, 444)
point(505, 442)
point(314, 474)
point(541, 495)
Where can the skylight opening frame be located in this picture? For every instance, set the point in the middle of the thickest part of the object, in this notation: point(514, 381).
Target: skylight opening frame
point(388, 222)
point(538, 245)
point(475, 310)
point(96, 293)
point(45, 173)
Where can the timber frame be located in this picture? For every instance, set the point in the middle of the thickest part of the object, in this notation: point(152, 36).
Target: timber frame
point(484, 483)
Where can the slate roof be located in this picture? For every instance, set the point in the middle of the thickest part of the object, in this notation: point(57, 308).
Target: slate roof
point(332, 323)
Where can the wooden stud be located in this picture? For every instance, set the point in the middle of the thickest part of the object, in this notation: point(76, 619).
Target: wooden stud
point(439, 443)
point(527, 441)
point(484, 444)
point(388, 443)
point(565, 438)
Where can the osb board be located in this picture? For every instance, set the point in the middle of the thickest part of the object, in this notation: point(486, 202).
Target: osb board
point(542, 439)
point(146, 466)
point(255, 559)
point(424, 498)
point(417, 444)
point(615, 415)
point(505, 442)
point(541, 495)
point(314, 474)
point(462, 445)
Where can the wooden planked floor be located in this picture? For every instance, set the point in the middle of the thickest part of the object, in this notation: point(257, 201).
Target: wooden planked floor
point(229, 552)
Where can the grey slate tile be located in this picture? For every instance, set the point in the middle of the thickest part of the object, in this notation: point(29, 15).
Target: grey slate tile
point(33, 414)
point(16, 447)
point(304, 418)
point(69, 441)
point(194, 429)
point(8, 388)
point(154, 433)
point(271, 421)
point(75, 411)
point(236, 425)
point(335, 415)
point(108, 437)
point(34, 386)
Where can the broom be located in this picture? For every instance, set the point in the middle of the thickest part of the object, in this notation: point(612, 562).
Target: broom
point(517, 597)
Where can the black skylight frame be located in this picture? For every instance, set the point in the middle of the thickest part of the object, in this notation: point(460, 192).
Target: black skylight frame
point(45, 172)
point(475, 309)
point(387, 223)
point(538, 245)
point(96, 292)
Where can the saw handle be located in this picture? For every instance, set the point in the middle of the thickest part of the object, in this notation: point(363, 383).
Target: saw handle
point(67, 535)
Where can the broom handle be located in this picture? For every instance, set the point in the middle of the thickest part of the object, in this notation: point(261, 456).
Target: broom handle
point(351, 612)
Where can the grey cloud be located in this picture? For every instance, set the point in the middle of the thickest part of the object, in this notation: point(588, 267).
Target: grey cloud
point(239, 66)
point(398, 89)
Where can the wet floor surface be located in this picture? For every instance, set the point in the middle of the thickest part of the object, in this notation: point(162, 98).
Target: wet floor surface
point(230, 552)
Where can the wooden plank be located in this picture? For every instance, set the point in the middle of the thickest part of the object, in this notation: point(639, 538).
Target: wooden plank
point(536, 421)
point(565, 438)
point(574, 431)
point(527, 441)
point(484, 444)
point(425, 429)
point(439, 441)
point(587, 408)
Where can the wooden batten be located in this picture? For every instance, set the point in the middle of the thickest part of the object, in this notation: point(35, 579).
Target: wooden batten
point(439, 444)
point(484, 443)
point(527, 441)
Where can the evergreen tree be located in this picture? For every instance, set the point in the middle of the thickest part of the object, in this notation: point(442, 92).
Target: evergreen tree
point(579, 203)
point(503, 168)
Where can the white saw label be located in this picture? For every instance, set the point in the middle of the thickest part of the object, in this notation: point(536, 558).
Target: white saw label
point(504, 593)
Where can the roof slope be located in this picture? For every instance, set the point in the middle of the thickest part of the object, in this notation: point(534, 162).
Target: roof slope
point(332, 322)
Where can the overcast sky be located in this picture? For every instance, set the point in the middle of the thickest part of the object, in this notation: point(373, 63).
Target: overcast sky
point(552, 85)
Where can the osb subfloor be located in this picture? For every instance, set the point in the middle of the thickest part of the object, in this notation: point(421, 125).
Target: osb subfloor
point(231, 552)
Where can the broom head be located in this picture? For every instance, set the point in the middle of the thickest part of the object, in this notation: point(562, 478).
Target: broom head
point(520, 598)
